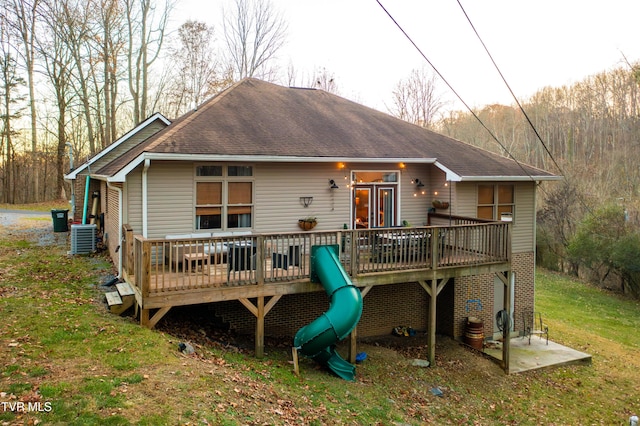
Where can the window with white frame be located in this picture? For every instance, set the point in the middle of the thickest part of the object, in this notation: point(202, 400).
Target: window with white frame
point(494, 201)
point(224, 197)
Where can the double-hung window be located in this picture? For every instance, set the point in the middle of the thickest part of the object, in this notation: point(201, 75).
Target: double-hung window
point(224, 197)
point(495, 200)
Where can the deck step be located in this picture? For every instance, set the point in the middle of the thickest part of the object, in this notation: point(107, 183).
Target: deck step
point(114, 301)
point(125, 289)
point(121, 299)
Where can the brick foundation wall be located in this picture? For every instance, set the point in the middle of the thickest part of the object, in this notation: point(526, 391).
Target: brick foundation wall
point(401, 304)
point(482, 287)
point(384, 308)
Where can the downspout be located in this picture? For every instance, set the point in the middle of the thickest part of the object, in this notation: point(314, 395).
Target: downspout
point(147, 163)
point(86, 200)
point(120, 215)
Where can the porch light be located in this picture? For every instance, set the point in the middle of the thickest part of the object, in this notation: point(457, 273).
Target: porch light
point(333, 184)
point(419, 183)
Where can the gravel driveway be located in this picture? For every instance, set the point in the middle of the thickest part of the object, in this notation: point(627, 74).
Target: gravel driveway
point(14, 217)
point(31, 225)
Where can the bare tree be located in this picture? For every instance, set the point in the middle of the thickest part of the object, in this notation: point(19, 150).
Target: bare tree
point(145, 33)
point(325, 80)
point(25, 25)
point(10, 82)
point(416, 99)
point(110, 41)
point(254, 34)
point(196, 73)
point(59, 63)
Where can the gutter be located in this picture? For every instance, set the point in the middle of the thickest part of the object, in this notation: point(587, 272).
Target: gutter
point(120, 215)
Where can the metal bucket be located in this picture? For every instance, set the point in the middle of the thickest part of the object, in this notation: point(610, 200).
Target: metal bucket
point(474, 333)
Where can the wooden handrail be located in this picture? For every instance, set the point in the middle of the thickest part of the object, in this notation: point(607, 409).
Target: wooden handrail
point(158, 264)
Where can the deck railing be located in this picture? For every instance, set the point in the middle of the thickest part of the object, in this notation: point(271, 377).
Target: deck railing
point(168, 265)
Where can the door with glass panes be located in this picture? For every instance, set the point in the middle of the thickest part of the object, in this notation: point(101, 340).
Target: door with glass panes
point(375, 199)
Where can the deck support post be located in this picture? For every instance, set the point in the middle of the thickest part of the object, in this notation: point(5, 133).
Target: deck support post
point(260, 310)
point(432, 322)
point(433, 288)
point(507, 279)
point(260, 328)
point(150, 321)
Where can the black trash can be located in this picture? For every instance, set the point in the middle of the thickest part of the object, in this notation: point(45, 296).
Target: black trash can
point(60, 220)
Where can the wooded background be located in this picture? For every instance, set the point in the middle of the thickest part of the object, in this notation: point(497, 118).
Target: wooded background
point(75, 75)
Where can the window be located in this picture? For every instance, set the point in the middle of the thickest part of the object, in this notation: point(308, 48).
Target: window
point(224, 197)
point(494, 200)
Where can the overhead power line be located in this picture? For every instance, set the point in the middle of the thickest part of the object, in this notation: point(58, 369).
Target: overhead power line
point(509, 88)
point(493, 136)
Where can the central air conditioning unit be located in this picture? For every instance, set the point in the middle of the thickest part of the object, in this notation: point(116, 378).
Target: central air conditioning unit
point(83, 239)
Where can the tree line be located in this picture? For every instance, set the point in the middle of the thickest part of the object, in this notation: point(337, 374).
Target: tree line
point(75, 75)
point(588, 132)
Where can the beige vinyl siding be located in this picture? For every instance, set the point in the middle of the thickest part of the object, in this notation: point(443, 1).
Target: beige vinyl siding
point(170, 193)
point(414, 209)
point(278, 188)
point(523, 231)
point(440, 189)
point(523, 237)
point(133, 190)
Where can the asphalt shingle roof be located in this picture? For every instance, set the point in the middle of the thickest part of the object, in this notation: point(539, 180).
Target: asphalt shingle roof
point(256, 118)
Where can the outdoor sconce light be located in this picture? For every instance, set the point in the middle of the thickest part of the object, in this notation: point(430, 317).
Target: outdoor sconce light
point(306, 201)
point(419, 183)
point(333, 184)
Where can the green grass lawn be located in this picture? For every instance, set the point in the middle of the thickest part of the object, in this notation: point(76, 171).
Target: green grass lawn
point(69, 361)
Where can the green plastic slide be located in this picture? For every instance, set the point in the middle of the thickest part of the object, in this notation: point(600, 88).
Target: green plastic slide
point(317, 340)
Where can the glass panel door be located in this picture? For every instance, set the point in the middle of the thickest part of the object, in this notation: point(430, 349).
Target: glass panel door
point(374, 206)
point(362, 203)
point(386, 206)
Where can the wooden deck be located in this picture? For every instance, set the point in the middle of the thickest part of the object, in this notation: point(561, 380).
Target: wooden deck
point(168, 273)
point(258, 269)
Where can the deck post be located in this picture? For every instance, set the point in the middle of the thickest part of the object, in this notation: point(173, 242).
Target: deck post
point(435, 236)
point(506, 277)
point(507, 336)
point(260, 328)
point(144, 317)
point(432, 321)
point(145, 265)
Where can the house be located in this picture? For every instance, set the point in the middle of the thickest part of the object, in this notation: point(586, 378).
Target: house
point(183, 200)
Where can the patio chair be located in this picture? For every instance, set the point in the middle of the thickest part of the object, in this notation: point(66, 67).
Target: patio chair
point(533, 324)
point(241, 257)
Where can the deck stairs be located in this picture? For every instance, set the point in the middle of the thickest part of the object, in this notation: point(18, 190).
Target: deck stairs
point(120, 299)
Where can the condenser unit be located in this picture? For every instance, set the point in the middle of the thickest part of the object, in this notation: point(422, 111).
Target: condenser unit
point(83, 239)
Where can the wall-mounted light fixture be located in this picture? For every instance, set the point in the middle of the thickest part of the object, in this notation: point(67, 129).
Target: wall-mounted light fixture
point(419, 183)
point(306, 201)
point(333, 184)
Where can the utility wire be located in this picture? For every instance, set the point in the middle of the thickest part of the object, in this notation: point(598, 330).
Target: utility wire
point(453, 90)
point(510, 91)
point(580, 198)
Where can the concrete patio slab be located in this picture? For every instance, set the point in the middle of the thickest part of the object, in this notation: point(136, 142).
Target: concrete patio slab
point(525, 357)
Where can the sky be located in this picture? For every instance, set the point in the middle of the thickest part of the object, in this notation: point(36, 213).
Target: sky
point(534, 43)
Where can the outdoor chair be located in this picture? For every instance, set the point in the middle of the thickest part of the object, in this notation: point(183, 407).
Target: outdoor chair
point(533, 324)
point(241, 257)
